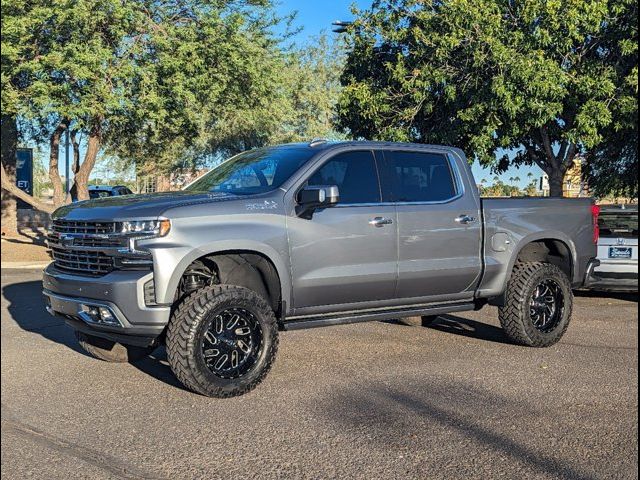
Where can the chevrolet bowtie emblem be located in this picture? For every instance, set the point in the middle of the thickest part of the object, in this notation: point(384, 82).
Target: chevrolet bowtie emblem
point(66, 240)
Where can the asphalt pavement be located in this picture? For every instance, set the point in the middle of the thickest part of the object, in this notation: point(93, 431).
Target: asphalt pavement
point(369, 401)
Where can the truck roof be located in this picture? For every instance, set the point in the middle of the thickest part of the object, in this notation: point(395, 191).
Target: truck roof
point(322, 144)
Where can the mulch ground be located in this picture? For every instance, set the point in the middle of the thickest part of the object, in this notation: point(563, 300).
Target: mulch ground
point(27, 246)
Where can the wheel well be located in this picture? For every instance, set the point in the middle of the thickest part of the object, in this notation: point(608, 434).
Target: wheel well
point(551, 251)
point(247, 269)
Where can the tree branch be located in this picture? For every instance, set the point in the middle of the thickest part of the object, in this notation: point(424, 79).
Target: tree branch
point(16, 192)
point(548, 150)
point(535, 158)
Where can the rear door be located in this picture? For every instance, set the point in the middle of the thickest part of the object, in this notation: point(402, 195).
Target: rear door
point(439, 226)
point(345, 254)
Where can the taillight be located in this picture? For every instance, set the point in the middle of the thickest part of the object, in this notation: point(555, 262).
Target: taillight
point(595, 214)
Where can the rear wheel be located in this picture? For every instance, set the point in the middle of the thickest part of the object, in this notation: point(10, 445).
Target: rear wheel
point(222, 341)
point(538, 306)
point(110, 351)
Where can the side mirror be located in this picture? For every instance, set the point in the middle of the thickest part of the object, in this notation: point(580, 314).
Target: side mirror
point(314, 197)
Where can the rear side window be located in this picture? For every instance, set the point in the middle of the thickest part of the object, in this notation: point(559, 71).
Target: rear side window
point(418, 177)
point(355, 175)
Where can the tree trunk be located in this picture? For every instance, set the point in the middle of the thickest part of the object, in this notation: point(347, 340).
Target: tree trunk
point(556, 182)
point(75, 166)
point(81, 179)
point(9, 139)
point(59, 195)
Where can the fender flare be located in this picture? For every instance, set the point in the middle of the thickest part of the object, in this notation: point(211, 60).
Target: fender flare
point(217, 248)
point(537, 236)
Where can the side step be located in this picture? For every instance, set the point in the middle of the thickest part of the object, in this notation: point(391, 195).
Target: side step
point(327, 321)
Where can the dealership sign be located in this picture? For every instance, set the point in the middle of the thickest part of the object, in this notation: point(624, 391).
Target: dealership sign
point(24, 173)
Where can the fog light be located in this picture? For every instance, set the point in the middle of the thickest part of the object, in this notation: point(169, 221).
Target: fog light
point(106, 315)
point(99, 315)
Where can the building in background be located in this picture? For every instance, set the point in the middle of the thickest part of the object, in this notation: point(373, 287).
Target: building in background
point(574, 185)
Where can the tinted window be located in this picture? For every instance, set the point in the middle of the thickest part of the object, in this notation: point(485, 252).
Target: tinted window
point(355, 175)
point(418, 177)
point(619, 223)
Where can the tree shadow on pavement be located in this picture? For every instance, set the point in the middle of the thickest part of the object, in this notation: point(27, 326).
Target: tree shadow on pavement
point(464, 327)
point(624, 296)
point(27, 308)
point(459, 420)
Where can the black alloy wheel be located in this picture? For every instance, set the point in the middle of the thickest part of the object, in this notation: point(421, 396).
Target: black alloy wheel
point(231, 343)
point(547, 305)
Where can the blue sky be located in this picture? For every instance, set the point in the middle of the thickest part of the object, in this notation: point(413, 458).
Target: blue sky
point(314, 16)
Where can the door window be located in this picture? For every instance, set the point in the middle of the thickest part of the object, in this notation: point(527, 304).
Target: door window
point(418, 177)
point(355, 175)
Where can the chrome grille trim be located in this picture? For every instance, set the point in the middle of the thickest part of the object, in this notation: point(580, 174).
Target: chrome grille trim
point(88, 252)
point(85, 261)
point(71, 226)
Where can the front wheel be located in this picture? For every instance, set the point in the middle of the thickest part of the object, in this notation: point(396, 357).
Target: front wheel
point(538, 305)
point(222, 341)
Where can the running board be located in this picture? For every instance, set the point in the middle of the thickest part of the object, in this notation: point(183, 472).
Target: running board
point(327, 321)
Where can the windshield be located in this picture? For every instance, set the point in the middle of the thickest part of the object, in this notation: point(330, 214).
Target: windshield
point(256, 171)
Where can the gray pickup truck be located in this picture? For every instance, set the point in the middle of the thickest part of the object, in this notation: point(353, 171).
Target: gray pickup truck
point(309, 235)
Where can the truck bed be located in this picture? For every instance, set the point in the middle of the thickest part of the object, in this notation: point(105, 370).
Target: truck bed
point(512, 223)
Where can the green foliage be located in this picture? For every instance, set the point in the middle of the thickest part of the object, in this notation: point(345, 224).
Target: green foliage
point(546, 79)
point(164, 85)
point(500, 189)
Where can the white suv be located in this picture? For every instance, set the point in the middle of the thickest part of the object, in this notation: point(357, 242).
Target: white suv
point(617, 250)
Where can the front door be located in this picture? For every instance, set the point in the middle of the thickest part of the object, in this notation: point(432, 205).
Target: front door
point(346, 254)
point(439, 227)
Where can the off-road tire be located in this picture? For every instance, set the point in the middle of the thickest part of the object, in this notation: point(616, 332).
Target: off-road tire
point(110, 351)
point(187, 328)
point(515, 315)
point(427, 320)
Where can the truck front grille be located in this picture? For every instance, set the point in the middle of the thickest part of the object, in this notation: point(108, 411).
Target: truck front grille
point(81, 261)
point(76, 246)
point(71, 226)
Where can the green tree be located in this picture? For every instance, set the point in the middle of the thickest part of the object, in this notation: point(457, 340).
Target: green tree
point(543, 79)
point(134, 78)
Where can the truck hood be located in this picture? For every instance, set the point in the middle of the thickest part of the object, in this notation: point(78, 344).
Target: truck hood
point(136, 206)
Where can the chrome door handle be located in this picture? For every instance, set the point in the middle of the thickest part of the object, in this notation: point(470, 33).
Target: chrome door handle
point(465, 219)
point(380, 222)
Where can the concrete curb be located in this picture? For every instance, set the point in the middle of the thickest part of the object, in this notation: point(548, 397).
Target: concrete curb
point(24, 265)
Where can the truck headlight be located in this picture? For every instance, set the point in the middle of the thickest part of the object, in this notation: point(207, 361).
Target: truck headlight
point(146, 228)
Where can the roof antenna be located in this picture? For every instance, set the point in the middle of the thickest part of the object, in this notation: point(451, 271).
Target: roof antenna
point(317, 142)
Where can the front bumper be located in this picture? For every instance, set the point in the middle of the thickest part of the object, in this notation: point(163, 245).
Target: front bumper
point(613, 276)
point(121, 292)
